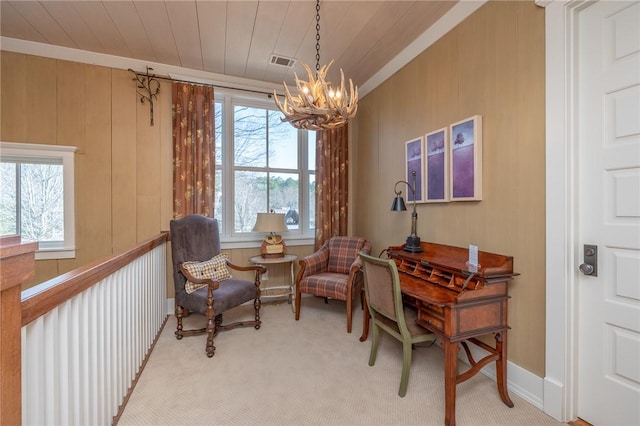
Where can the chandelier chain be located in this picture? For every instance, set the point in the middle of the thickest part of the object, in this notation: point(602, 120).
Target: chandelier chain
point(317, 35)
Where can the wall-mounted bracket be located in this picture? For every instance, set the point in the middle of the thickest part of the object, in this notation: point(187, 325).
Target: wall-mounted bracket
point(150, 88)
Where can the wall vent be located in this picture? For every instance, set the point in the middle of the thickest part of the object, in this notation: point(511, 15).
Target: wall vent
point(282, 61)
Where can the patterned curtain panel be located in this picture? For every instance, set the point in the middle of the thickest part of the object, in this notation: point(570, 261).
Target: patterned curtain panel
point(332, 184)
point(193, 150)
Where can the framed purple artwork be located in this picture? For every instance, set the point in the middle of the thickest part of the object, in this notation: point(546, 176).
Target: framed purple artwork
point(414, 151)
point(465, 145)
point(436, 166)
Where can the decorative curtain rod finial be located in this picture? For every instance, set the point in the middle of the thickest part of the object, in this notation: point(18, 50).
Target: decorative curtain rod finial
point(150, 86)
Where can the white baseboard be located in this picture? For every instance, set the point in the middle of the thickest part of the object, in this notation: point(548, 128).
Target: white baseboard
point(554, 395)
point(171, 306)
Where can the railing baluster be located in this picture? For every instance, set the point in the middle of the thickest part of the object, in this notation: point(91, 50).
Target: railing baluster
point(64, 364)
point(50, 356)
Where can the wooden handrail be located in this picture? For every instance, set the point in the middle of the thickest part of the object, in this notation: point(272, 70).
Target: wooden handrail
point(40, 299)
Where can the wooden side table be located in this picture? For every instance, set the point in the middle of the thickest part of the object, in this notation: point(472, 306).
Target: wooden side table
point(279, 290)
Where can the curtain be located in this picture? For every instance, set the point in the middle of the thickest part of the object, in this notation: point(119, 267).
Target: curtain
point(332, 184)
point(193, 150)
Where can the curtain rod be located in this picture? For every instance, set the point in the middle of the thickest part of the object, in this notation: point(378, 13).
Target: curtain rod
point(176, 80)
point(150, 87)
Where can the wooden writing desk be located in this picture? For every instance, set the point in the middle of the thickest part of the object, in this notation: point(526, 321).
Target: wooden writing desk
point(459, 306)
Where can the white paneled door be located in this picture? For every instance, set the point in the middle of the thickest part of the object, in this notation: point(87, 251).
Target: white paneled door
point(609, 212)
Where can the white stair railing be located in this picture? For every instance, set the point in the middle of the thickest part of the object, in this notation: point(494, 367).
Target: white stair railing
point(80, 358)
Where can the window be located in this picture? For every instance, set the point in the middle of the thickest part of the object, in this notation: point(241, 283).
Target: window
point(36, 196)
point(262, 164)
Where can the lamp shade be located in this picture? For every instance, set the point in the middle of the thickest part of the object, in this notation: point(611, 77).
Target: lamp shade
point(270, 222)
point(398, 204)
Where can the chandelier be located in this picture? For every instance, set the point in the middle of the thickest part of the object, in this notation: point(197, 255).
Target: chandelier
point(317, 104)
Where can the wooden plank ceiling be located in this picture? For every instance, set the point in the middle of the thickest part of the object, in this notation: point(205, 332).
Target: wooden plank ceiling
point(234, 38)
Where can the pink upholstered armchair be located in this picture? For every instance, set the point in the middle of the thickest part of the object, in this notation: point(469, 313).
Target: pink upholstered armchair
point(333, 272)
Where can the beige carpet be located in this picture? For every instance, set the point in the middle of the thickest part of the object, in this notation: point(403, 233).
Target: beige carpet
point(307, 372)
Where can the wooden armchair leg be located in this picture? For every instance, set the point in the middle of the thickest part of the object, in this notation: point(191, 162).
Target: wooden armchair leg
point(211, 349)
point(256, 305)
point(298, 304)
point(179, 314)
point(212, 326)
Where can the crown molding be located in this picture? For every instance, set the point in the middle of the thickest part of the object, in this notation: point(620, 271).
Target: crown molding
point(119, 62)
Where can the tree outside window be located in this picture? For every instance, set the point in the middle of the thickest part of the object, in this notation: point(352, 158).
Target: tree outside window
point(32, 201)
point(36, 196)
point(265, 173)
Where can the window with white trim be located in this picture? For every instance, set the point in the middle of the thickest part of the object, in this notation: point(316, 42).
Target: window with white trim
point(262, 164)
point(37, 196)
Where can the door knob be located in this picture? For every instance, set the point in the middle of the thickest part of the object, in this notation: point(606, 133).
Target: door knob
point(586, 269)
point(590, 262)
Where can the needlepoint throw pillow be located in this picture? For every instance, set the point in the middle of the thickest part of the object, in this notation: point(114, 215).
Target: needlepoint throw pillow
point(214, 268)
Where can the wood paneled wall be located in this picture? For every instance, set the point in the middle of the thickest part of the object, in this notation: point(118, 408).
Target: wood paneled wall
point(124, 166)
point(492, 64)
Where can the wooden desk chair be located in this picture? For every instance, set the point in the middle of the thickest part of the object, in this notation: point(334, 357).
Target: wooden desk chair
point(384, 299)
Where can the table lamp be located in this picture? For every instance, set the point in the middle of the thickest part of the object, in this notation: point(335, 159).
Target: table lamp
point(413, 241)
point(273, 244)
